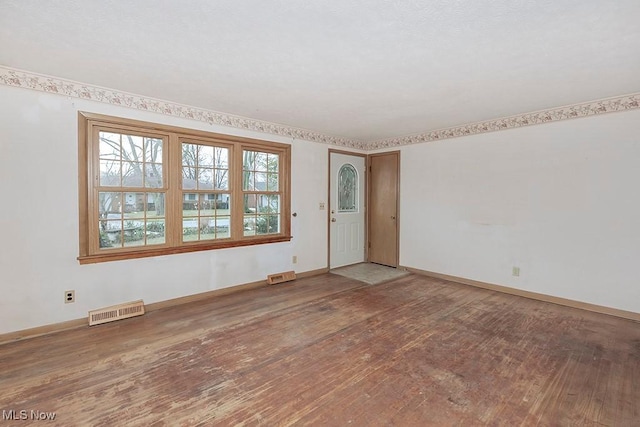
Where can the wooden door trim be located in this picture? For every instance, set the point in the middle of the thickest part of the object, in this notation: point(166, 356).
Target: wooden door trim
point(368, 219)
point(366, 202)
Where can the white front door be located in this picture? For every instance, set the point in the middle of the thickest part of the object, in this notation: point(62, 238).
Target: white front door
point(347, 209)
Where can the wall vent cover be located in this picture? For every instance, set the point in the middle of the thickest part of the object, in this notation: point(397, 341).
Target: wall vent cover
point(116, 312)
point(287, 276)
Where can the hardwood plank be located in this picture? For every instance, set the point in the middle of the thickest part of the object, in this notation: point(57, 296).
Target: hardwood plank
point(327, 350)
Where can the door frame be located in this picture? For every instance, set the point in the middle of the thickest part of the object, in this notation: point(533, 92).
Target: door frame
point(369, 187)
point(330, 202)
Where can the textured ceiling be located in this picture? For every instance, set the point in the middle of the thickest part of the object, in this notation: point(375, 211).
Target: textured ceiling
point(359, 69)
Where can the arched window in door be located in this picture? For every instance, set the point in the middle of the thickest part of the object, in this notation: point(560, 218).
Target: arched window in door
point(347, 189)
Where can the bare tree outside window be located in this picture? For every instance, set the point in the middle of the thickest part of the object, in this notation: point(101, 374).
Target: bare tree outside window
point(131, 218)
point(206, 210)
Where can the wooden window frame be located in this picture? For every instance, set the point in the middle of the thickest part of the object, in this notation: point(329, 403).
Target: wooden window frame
point(88, 183)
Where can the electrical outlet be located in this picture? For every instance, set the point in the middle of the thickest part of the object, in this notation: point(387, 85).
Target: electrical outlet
point(515, 271)
point(69, 296)
point(321, 206)
point(294, 259)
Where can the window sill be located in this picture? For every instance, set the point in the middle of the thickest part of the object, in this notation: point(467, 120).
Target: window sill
point(146, 253)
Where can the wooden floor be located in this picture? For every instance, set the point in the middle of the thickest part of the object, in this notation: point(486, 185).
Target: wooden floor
point(332, 351)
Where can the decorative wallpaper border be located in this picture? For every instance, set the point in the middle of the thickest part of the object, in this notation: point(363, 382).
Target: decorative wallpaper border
point(28, 80)
point(608, 105)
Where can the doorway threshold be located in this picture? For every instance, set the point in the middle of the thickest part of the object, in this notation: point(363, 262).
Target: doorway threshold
point(370, 273)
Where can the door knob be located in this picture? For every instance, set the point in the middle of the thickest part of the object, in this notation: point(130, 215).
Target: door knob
point(393, 217)
point(333, 220)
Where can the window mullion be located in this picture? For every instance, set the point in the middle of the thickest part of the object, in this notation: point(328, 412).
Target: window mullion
point(174, 191)
point(237, 212)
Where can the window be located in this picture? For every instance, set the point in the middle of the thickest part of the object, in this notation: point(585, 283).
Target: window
point(148, 189)
point(131, 189)
point(206, 210)
point(260, 192)
point(347, 189)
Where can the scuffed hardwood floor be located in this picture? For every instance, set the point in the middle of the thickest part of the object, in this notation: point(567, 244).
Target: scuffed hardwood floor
point(331, 351)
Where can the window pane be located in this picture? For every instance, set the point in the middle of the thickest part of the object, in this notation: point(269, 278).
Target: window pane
point(272, 162)
point(189, 229)
point(132, 148)
point(248, 181)
point(249, 225)
point(248, 160)
point(207, 228)
point(221, 179)
point(134, 205)
point(250, 203)
point(109, 203)
point(189, 154)
point(155, 232)
point(260, 181)
point(188, 178)
point(222, 158)
point(109, 145)
point(272, 182)
point(152, 150)
point(155, 205)
point(205, 156)
point(223, 227)
point(110, 173)
point(273, 223)
point(260, 161)
point(153, 175)
point(263, 203)
point(207, 204)
point(132, 174)
point(347, 189)
point(110, 234)
point(190, 204)
point(133, 233)
point(274, 203)
point(205, 179)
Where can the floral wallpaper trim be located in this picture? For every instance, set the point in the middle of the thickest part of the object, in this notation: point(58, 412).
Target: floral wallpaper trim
point(28, 80)
point(609, 105)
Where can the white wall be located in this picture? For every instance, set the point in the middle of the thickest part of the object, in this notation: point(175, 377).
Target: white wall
point(39, 221)
point(561, 201)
